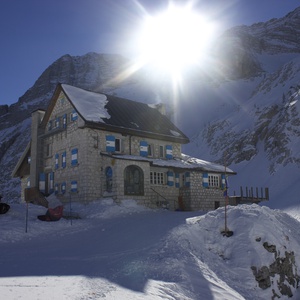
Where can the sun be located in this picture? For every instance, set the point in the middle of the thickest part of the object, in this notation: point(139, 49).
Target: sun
point(174, 40)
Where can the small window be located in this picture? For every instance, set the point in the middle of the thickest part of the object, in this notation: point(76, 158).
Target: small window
point(73, 116)
point(182, 179)
point(213, 181)
point(118, 145)
point(161, 151)
point(74, 157)
point(157, 178)
point(57, 122)
point(56, 161)
point(56, 188)
point(150, 150)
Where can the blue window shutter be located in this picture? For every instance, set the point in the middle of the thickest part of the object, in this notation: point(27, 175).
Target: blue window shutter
point(74, 186)
point(56, 161)
point(50, 125)
point(205, 180)
point(170, 178)
point(169, 152)
point(187, 179)
point(110, 143)
point(74, 160)
point(177, 180)
point(51, 187)
point(56, 188)
point(65, 121)
point(63, 187)
point(74, 115)
point(63, 159)
point(223, 181)
point(143, 148)
point(42, 182)
point(57, 122)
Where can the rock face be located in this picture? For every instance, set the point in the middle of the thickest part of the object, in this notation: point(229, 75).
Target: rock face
point(280, 275)
point(92, 71)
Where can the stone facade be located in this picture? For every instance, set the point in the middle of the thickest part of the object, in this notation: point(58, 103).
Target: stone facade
point(74, 161)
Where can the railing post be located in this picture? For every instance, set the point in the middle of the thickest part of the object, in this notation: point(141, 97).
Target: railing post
point(267, 193)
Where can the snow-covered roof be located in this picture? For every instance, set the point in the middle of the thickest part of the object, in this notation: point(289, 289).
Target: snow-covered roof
point(124, 115)
point(89, 104)
point(183, 162)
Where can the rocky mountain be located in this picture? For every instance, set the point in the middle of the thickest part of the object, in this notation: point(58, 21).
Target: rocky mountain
point(240, 109)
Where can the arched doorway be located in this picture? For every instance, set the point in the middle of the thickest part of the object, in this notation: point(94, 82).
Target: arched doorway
point(133, 181)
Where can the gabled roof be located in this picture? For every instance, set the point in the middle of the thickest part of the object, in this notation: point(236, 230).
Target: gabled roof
point(117, 114)
point(21, 163)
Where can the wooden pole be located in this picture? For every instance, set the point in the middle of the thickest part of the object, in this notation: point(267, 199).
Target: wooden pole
point(226, 195)
point(26, 218)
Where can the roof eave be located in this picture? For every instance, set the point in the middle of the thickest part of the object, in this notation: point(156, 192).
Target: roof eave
point(130, 131)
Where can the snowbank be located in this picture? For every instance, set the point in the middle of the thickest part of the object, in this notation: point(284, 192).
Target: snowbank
point(126, 251)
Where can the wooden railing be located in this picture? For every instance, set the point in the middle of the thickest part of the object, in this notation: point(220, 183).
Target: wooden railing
point(161, 203)
point(249, 196)
point(33, 195)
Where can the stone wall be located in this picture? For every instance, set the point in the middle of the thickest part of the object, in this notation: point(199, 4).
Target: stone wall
point(93, 161)
point(199, 198)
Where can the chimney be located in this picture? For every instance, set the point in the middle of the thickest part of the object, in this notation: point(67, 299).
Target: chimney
point(161, 107)
point(35, 147)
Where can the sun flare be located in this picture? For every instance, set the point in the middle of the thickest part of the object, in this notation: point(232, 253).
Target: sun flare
point(174, 40)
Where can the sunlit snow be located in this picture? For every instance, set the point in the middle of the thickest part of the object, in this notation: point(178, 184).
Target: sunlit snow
point(126, 251)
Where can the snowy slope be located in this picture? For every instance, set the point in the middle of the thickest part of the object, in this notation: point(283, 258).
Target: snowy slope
point(129, 252)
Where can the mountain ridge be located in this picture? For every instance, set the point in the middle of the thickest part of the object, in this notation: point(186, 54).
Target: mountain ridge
point(248, 103)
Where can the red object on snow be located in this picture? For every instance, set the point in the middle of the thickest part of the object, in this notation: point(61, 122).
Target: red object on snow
point(52, 214)
point(56, 213)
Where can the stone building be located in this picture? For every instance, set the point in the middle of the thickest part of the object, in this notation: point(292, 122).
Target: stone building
point(88, 146)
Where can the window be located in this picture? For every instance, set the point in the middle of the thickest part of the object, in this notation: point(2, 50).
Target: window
point(57, 122)
point(73, 116)
point(74, 157)
point(133, 181)
point(64, 121)
point(157, 178)
point(63, 159)
point(161, 151)
point(150, 150)
point(118, 145)
point(182, 179)
point(169, 152)
point(74, 187)
point(56, 161)
point(56, 188)
point(213, 181)
point(63, 187)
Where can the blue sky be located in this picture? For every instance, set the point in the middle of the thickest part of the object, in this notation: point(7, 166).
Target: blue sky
point(35, 33)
